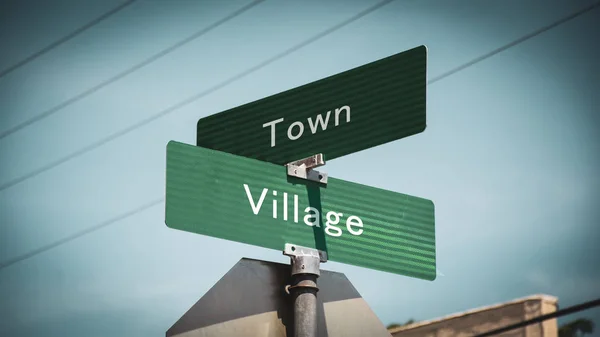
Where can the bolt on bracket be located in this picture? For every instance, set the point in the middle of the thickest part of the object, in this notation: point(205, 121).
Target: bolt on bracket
point(304, 169)
point(304, 260)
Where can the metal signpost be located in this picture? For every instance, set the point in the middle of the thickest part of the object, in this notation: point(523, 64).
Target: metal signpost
point(305, 270)
point(252, 179)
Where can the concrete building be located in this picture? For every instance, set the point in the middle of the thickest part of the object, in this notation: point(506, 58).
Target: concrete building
point(476, 321)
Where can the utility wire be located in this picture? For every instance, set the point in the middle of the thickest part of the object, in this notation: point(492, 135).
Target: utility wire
point(81, 233)
point(247, 72)
point(192, 37)
point(126, 72)
point(515, 42)
point(64, 39)
point(190, 99)
point(558, 313)
point(243, 74)
point(164, 112)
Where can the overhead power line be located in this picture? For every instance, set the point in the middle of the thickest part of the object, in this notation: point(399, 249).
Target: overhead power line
point(82, 233)
point(558, 313)
point(157, 201)
point(65, 39)
point(128, 71)
point(190, 99)
point(515, 42)
point(164, 112)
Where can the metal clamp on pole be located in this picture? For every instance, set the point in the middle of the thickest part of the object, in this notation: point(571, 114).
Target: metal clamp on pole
point(304, 168)
point(305, 271)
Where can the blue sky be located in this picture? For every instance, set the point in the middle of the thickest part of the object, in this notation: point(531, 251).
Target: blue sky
point(510, 155)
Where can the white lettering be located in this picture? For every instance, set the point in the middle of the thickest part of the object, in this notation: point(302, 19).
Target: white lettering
point(313, 123)
point(295, 208)
point(319, 120)
point(285, 206)
point(312, 216)
point(255, 208)
point(330, 222)
point(289, 132)
point(337, 114)
point(272, 124)
point(353, 220)
point(274, 205)
point(315, 217)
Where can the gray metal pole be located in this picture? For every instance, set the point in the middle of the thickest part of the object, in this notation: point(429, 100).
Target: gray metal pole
point(304, 291)
point(305, 271)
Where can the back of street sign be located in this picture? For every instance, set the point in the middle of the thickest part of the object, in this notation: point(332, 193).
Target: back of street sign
point(345, 113)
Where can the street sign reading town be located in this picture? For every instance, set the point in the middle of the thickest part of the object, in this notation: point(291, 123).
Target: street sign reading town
point(352, 111)
point(250, 201)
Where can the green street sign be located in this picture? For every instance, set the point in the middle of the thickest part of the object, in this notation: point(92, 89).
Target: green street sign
point(246, 200)
point(352, 111)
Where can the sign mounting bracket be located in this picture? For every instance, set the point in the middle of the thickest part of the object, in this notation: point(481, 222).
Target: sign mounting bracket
point(304, 169)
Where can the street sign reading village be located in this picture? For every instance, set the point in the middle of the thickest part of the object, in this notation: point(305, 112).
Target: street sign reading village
point(232, 185)
point(246, 200)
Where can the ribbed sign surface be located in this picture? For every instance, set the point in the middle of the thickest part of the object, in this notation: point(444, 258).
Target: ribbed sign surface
point(246, 200)
point(351, 111)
